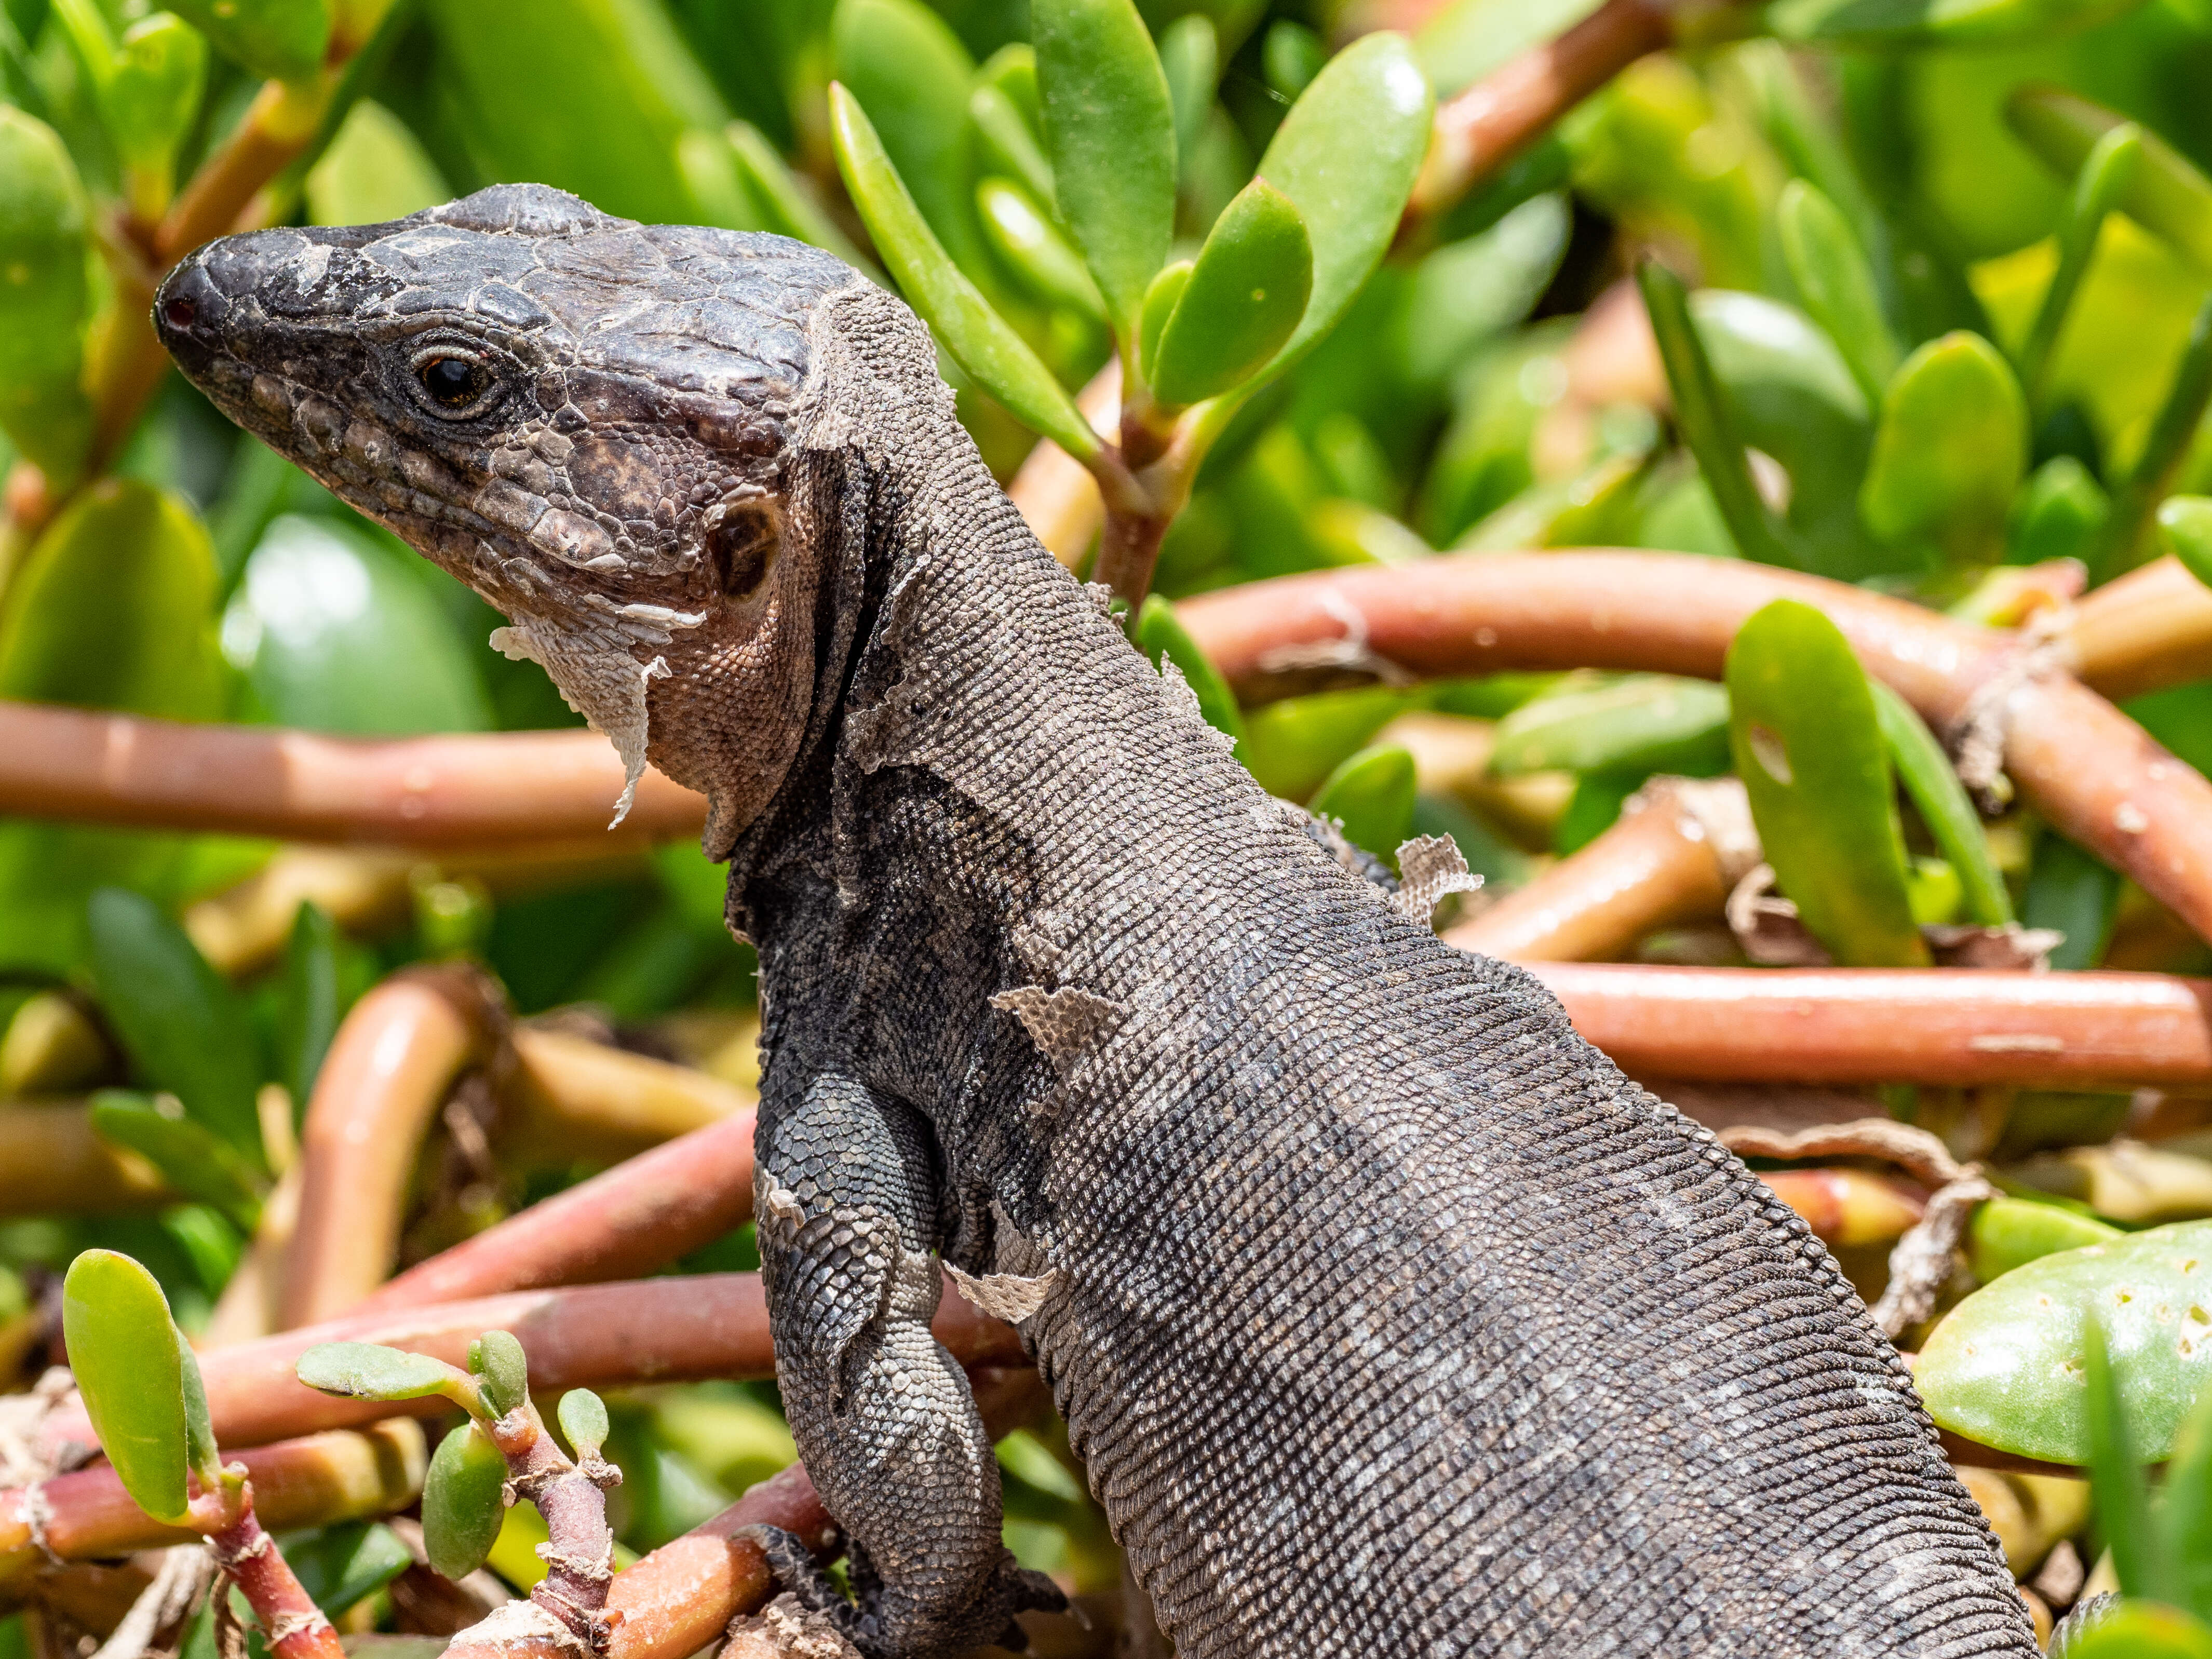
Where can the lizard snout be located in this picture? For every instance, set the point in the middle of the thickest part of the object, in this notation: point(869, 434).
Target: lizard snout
point(188, 314)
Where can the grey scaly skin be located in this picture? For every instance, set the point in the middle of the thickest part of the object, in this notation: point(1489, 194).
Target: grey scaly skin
point(1387, 1317)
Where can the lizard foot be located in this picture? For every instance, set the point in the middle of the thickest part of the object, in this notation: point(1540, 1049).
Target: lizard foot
point(886, 1625)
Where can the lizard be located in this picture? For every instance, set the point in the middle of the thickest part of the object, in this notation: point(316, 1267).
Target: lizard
point(1385, 1314)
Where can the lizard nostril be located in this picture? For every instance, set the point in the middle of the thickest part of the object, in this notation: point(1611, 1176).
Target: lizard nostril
point(179, 312)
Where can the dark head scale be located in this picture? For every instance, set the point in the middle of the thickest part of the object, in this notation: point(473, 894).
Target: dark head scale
point(587, 420)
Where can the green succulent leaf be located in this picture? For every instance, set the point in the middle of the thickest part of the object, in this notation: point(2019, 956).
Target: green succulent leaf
point(193, 1161)
point(2135, 1629)
point(1109, 130)
point(2106, 174)
point(1292, 745)
point(2162, 190)
point(1808, 743)
point(2116, 1473)
point(498, 1359)
point(2010, 1233)
point(309, 1001)
point(1162, 637)
point(283, 40)
point(1838, 288)
point(907, 70)
point(2185, 1513)
point(1021, 234)
point(1243, 299)
point(1159, 305)
point(369, 1370)
point(1932, 782)
point(1008, 144)
point(962, 320)
point(783, 205)
point(124, 1348)
point(201, 1454)
point(2184, 528)
point(1653, 721)
point(2120, 541)
point(464, 1501)
point(2058, 515)
point(337, 1566)
point(1370, 796)
point(1950, 450)
point(1936, 22)
point(1346, 156)
point(2008, 1367)
point(43, 297)
point(149, 99)
point(181, 1021)
point(1702, 412)
point(1190, 57)
point(583, 1417)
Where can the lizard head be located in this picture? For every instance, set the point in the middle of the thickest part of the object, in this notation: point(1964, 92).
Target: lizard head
point(588, 421)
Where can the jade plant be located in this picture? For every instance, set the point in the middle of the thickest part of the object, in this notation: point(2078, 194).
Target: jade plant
point(142, 1389)
point(504, 1452)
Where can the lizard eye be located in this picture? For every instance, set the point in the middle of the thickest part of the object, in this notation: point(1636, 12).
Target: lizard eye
point(452, 383)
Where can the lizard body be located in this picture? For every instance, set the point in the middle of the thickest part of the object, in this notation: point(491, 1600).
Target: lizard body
point(1387, 1316)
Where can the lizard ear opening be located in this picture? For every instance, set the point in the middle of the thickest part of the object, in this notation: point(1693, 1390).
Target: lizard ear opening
point(743, 539)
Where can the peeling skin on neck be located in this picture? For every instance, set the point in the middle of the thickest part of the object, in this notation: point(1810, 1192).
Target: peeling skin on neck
point(591, 423)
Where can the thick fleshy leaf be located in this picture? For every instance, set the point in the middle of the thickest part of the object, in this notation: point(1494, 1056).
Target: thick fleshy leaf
point(1371, 796)
point(2135, 1629)
point(2121, 542)
point(1809, 746)
point(186, 1027)
point(375, 170)
point(1160, 636)
point(123, 1349)
point(1190, 57)
point(584, 1420)
point(1654, 721)
point(962, 320)
point(2097, 189)
point(1702, 412)
point(111, 610)
point(589, 95)
point(1243, 301)
point(2184, 528)
point(338, 1565)
point(1346, 156)
point(1109, 132)
point(1932, 784)
point(463, 1501)
point(787, 208)
point(283, 40)
point(1837, 286)
point(2007, 1366)
point(2185, 1512)
point(2116, 1486)
point(1009, 145)
point(909, 73)
point(1950, 450)
point(338, 632)
point(369, 1370)
point(1159, 305)
point(2163, 191)
point(2057, 514)
point(498, 1359)
point(1290, 746)
point(193, 1160)
point(200, 1454)
point(309, 1001)
point(1936, 22)
point(43, 247)
point(2010, 1233)
point(1021, 234)
point(153, 93)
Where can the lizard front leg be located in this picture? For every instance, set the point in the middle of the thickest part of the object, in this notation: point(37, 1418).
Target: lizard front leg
point(848, 1215)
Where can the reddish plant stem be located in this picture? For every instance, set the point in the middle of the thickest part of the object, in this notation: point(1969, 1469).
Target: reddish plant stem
point(597, 1336)
point(678, 1599)
point(1656, 867)
point(1959, 1027)
point(387, 1073)
point(309, 1481)
point(294, 1626)
point(475, 790)
point(636, 1218)
point(2092, 772)
point(1480, 129)
point(578, 1551)
point(2149, 630)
